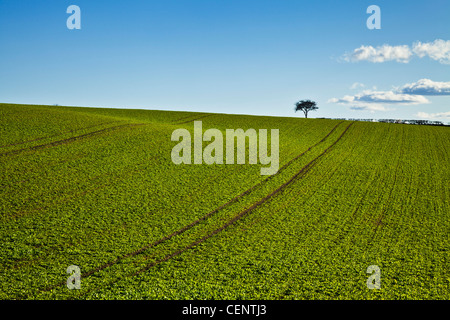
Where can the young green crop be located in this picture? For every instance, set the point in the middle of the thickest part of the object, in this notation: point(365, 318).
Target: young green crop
point(97, 188)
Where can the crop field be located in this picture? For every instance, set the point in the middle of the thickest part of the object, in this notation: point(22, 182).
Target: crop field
point(96, 188)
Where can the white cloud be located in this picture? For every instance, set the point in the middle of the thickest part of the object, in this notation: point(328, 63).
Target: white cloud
point(373, 101)
point(371, 108)
point(381, 97)
point(380, 54)
point(357, 85)
point(439, 115)
point(355, 104)
point(427, 87)
point(409, 94)
point(437, 50)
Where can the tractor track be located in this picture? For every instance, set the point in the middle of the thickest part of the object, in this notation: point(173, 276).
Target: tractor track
point(58, 134)
point(68, 140)
point(237, 217)
point(195, 119)
point(187, 117)
point(382, 216)
point(68, 198)
point(241, 214)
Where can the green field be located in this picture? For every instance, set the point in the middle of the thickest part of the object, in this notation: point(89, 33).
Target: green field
point(97, 188)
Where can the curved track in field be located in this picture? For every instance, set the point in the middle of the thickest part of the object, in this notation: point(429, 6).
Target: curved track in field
point(68, 140)
point(243, 213)
point(57, 135)
point(198, 117)
point(237, 217)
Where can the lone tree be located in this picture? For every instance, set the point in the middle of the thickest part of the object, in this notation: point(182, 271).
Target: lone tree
point(306, 106)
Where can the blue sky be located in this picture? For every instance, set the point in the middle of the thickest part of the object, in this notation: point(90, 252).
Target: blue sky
point(247, 56)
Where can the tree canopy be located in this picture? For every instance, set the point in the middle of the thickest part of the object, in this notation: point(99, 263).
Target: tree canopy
point(306, 106)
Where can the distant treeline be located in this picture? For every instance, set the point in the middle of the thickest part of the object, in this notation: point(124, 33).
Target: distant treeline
point(422, 122)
